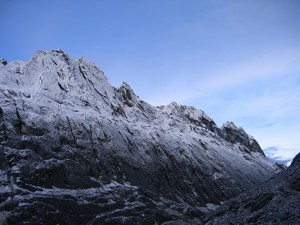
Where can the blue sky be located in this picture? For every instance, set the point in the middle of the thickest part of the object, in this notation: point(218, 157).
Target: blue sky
point(236, 60)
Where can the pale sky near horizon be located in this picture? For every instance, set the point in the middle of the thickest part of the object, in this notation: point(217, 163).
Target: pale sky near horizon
point(236, 60)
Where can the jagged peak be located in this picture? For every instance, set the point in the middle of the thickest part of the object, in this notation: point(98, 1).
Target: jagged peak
point(59, 61)
point(195, 116)
point(174, 105)
point(235, 134)
point(231, 125)
point(3, 61)
point(54, 74)
point(126, 86)
point(199, 118)
point(127, 94)
point(196, 113)
point(85, 61)
point(45, 60)
point(52, 53)
point(172, 108)
point(296, 160)
point(89, 69)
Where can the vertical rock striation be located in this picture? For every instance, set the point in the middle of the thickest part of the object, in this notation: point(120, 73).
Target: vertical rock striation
point(71, 142)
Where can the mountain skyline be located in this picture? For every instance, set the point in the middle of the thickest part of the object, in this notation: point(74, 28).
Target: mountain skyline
point(72, 142)
point(235, 60)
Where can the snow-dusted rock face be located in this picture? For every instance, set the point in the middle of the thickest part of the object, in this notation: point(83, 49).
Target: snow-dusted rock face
point(275, 202)
point(68, 136)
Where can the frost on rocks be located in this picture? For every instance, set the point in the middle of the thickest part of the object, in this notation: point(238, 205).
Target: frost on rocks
point(274, 202)
point(65, 130)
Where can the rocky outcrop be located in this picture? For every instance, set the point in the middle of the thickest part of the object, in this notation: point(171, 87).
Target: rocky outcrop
point(3, 61)
point(276, 202)
point(60, 192)
point(233, 134)
point(68, 136)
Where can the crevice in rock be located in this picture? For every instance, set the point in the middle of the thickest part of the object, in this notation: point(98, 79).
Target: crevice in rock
point(72, 133)
point(61, 87)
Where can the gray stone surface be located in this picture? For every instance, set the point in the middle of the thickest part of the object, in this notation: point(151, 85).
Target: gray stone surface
point(66, 135)
point(275, 202)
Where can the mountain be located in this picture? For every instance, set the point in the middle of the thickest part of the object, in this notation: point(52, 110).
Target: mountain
point(76, 150)
point(275, 202)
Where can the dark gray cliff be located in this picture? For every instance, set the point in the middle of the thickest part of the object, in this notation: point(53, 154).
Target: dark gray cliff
point(81, 151)
point(275, 202)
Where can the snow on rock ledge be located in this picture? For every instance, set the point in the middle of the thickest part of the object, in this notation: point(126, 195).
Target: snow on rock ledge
point(72, 126)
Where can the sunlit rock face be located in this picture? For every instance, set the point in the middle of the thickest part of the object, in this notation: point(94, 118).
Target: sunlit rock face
point(76, 150)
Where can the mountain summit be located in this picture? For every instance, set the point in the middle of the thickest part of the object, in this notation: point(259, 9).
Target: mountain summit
point(76, 150)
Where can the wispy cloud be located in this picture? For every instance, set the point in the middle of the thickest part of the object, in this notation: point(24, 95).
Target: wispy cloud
point(280, 155)
point(196, 83)
point(276, 64)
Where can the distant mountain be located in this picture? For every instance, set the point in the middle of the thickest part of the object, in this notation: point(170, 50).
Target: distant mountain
point(76, 150)
point(271, 154)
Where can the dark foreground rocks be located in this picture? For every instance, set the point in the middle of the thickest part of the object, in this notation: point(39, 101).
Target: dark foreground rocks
point(275, 202)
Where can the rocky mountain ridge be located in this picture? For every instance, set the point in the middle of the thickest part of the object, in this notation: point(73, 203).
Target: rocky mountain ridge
point(274, 202)
point(68, 136)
